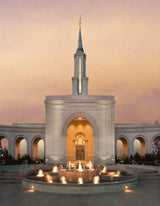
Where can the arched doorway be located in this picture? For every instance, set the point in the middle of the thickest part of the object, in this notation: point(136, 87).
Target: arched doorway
point(38, 148)
point(3, 149)
point(4, 142)
point(80, 141)
point(156, 144)
point(122, 147)
point(20, 147)
point(139, 146)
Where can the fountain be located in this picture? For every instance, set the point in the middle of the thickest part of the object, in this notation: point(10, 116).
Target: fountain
point(96, 180)
point(49, 178)
point(78, 178)
point(63, 180)
point(40, 173)
point(55, 169)
point(75, 175)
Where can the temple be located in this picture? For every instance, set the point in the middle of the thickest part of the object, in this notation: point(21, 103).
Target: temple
point(81, 127)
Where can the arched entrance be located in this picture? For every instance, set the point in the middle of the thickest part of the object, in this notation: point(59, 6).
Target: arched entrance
point(80, 141)
point(3, 142)
point(20, 147)
point(122, 147)
point(139, 146)
point(156, 144)
point(38, 148)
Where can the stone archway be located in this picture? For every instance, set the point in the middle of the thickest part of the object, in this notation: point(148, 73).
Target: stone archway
point(122, 147)
point(155, 142)
point(84, 116)
point(139, 145)
point(4, 141)
point(80, 141)
point(38, 148)
point(20, 146)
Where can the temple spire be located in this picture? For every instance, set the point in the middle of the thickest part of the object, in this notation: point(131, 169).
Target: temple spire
point(80, 45)
point(79, 80)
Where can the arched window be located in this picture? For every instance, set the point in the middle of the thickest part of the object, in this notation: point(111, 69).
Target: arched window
point(156, 144)
point(38, 148)
point(122, 147)
point(139, 146)
point(80, 147)
point(80, 140)
point(20, 147)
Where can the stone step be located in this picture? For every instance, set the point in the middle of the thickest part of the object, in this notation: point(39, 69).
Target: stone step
point(149, 175)
point(10, 181)
point(10, 178)
point(150, 181)
point(10, 175)
point(10, 172)
point(140, 171)
point(151, 178)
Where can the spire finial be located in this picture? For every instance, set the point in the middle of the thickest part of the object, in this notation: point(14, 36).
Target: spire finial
point(80, 46)
point(80, 21)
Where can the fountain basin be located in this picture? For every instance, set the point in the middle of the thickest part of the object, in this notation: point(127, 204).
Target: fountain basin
point(76, 189)
point(79, 181)
point(73, 175)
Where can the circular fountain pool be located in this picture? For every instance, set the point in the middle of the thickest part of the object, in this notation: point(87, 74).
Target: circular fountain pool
point(78, 180)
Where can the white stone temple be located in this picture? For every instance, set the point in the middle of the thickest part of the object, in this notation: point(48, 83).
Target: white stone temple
point(81, 127)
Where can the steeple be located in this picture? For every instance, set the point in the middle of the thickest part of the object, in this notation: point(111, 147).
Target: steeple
point(80, 45)
point(80, 81)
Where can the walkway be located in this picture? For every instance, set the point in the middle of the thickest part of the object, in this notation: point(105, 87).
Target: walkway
point(146, 194)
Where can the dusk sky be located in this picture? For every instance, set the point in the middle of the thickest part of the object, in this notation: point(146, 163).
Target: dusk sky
point(38, 39)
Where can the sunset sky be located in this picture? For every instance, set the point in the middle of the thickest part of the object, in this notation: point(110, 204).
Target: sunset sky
point(121, 39)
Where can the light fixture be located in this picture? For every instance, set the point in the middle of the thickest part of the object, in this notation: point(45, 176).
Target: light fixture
point(126, 187)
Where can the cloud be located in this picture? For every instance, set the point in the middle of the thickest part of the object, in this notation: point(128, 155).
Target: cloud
point(38, 41)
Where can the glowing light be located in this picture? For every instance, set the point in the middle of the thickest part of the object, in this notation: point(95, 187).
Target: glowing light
point(80, 118)
point(55, 169)
point(31, 190)
point(80, 77)
point(80, 167)
point(69, 165)
point(96, 180)
point(128, 191)
point(73, 165)
point(126, 187)
point(111, 174)
point(104, 169)
point(90, 165)
point(63, 180)
point(80, 180)
point(40, 173)
point(117, 174)
point(49, 178)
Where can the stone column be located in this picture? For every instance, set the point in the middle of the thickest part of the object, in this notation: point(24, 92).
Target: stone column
point(29, 147)
point(106, 141)
point(55, 141)
point(11, 146)
point(130, 147)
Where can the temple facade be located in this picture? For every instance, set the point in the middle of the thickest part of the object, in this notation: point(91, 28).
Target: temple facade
point(81, 126)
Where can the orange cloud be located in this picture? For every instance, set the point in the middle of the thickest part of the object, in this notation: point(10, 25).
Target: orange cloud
point(39, 38)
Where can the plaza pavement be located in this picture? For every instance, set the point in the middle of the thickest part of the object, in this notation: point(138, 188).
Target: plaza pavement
point(146, 194)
